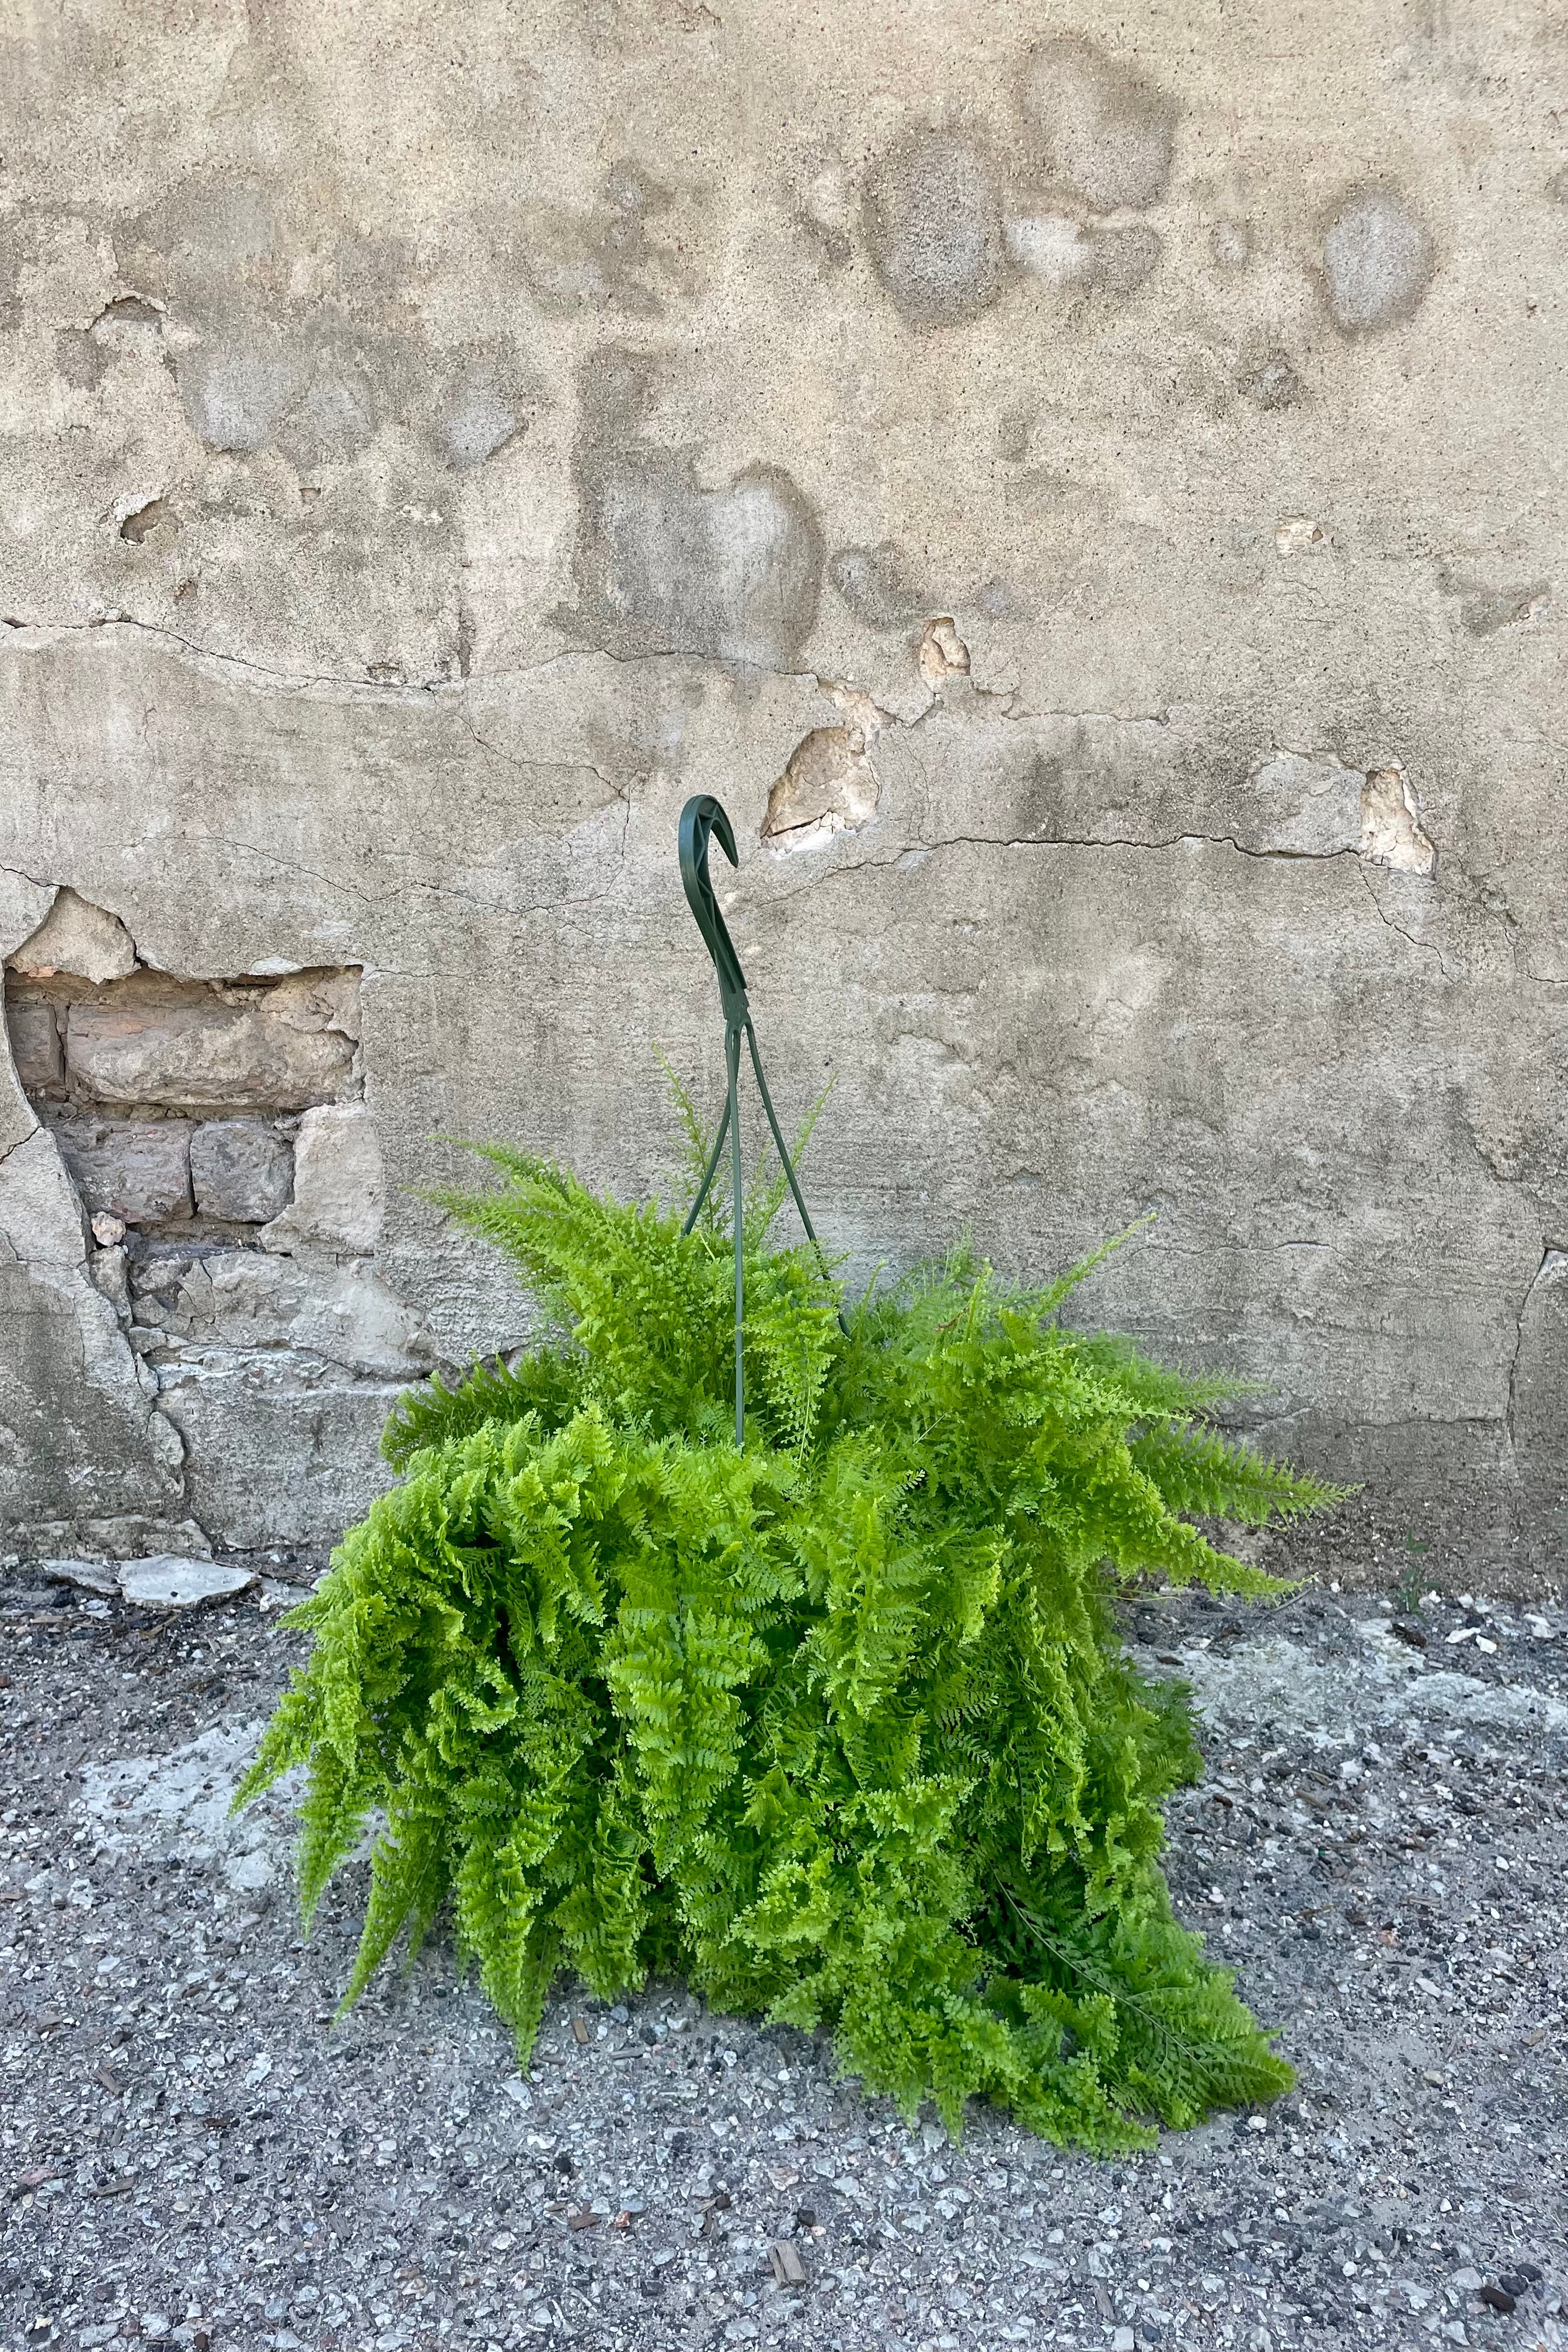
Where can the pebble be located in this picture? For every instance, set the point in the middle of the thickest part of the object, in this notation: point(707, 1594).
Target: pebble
point(167, 1581)
point(788, 2269)
point(160, 1580)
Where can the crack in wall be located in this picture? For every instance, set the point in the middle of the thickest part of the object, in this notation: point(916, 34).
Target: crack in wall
point(26, 1136)
point(919, 847)
point(445, 688)
point(334, 882)
point(1022, 711)
point(441, 688)
point(1426, 946)
point(1008, 706)
point(1548, 1252)
point(525, 766)
point(294, 679)
point(624, 794)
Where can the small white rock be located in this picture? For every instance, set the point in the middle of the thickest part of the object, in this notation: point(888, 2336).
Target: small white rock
point(167, 1583)
point(1299, 535)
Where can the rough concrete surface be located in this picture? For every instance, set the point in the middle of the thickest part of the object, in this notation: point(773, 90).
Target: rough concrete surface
point(197, 2156)
point(1083, 488)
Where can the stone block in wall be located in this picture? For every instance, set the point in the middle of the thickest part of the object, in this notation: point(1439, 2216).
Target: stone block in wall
point(107, 1271)
point(76, 1426)
point(79, 938)
point(340, 1194)
point(152, 1040)
point(278, 1449)
point(155, 1274)
point(241, 1168)
point(245, 1301)
point(36, 1046)
point(325, 999)
point(137, 1170)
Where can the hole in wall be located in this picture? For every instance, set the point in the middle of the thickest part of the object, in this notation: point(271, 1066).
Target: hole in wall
point(187, 1111)
point(219, 1139)
point(145, 521)
point(829, 786)
point(177, 1103)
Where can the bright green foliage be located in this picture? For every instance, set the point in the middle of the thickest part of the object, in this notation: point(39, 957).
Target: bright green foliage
point(837, 1727)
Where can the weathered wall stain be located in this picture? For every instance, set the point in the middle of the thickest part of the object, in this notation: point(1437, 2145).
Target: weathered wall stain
point(934, 227)
point(603, 258)
point(874, 583)
point(1377, 261)
point(665, 566)
point(1098, 126)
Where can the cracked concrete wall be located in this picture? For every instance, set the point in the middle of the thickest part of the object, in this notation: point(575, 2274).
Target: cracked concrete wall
point(1080, 490)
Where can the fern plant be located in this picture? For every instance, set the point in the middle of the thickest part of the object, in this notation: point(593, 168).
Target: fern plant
point(837, 1725)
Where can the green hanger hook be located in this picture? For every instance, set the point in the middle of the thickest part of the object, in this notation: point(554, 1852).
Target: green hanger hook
point(701, 820)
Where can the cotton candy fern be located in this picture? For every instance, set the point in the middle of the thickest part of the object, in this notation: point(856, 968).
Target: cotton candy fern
point(836, 1726)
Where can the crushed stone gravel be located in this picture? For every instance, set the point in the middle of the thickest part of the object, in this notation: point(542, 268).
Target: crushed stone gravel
point(195, 2154)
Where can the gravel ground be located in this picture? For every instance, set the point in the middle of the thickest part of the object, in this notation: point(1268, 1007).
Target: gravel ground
point(195, 2155)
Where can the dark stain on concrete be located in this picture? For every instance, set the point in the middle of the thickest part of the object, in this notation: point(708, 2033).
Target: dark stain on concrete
point(1119, 259)
point(603, 258)
point(1486, 611)
point(1377, 261)
point(334, 417)
point(876, 585)
point(79, 359)
point(1098, 127)
point(1273, 383)
point(932, 221)
point(234, 392)
point(663, 565)
point(485, 402)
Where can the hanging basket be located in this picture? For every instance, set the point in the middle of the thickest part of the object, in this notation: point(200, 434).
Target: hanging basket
point(818, 1703)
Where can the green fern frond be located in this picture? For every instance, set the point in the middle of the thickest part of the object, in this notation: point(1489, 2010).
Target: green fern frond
point(545, 1382)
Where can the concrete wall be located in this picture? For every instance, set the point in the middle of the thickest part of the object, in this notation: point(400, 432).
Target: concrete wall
point(1085, 487)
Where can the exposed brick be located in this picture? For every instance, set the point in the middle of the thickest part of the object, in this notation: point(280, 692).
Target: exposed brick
point(241, 1168)
point(152, 1040)
point(138, 1169)
point(34, 1043)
